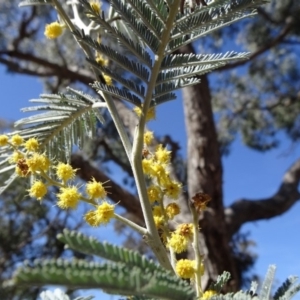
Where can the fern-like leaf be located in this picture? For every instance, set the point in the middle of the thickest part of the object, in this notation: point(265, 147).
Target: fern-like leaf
point(63, 121)
point(220, 282)
point(138, 27)
point(91, 246)
point(121, 94)
point(127, 64)
point(267, 283)
point(112, 278)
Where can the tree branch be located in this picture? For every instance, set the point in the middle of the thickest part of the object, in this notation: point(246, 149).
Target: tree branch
point(284, 32)
point(246, 210)
point(54, 69)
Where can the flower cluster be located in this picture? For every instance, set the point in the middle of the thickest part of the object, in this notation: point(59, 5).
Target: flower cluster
point(30, 161)
point(155, 166)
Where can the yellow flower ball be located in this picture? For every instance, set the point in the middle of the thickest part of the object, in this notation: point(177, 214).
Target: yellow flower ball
point(15, 157)
point(65, 172)
point(208, 294)
point(154, 193)
point(68, 197)
point(53, 30)
point(178, 243)
point(101, 215)
point(32, 145)
point(151, 113)
point(172, 209)
point(186, 230)
point(185, 268)
point(38, 190)
point(172, 189)
point(148, 137)
point(16, 140)
point(108, 79)
point(95, 189)
point(38, 162)
point(162, 155)
point(3, 140)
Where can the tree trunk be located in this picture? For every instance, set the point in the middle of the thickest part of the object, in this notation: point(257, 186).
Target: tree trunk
point(205, 173)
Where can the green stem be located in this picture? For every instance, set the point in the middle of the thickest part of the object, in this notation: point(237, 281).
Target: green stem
point(152, 237)
point(110, 104)
point(131, 224)
point(198, 257)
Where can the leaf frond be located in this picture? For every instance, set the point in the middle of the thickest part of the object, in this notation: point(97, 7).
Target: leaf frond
point(182, 60)
point(135, 48)
point(92, 246)
point(127, 64)
point(120, 94)
point(139, 28)
point(266, 286)
point(68, 120)
point(206, 20)
point(129, 84)
point(112, 278)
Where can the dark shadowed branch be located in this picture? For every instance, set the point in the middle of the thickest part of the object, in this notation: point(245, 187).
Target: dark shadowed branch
point(246, 210)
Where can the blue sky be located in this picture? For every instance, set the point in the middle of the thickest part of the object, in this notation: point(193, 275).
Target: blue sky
point(247, 174)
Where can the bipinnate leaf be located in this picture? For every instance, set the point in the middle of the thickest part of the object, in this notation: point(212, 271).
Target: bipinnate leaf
point(220, 282)
point(89, 245)
point(112, 278)
point(288, 289)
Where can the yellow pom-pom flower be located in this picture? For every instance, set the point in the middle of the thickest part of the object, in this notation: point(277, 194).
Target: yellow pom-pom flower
point(101, 215)
point(208, 294)
point(147, 165)
point(108, 79)
point(159, 172)
point(3, 140)
point(38, 190)
point(186, 230)
point(178, 243)
point(172, 189)
point(38, 162)
point(185, 268)
point(68, 197)
point(95, 190)
point(32, 145)
point(172, 209)
point(148, 137)
point(96, 6)
point(162, 155)
point(151, 113)
point(15, 157)
point(154, 193)
point(65, 172)
point(158, 221)
point(16, 140)
point(53, 30)
point(101, 60)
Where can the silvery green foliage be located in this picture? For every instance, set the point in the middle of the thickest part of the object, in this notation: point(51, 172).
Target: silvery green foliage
point(129, 273)
point(63, 120)
point(149, 41)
